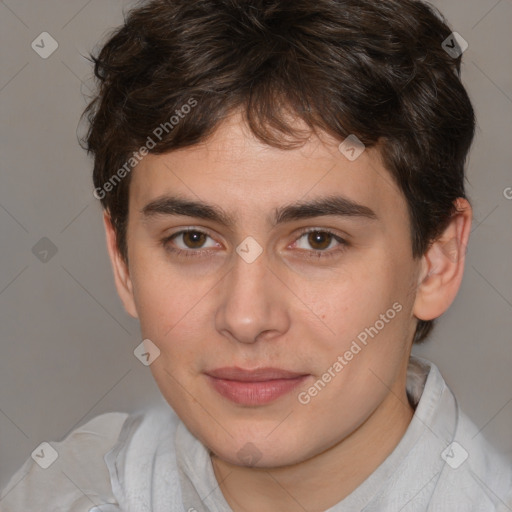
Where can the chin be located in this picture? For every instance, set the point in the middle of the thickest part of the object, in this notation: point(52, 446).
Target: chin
point(260, 452)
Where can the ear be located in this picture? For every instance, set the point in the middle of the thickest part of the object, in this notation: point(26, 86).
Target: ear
point(442, 266)
point(121, 274)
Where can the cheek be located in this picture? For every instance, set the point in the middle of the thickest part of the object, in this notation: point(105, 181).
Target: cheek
point(167, 300)
point(176, 312)
point(350, 300)
point(366, 313)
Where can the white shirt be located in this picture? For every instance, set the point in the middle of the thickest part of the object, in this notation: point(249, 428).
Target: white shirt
point(150, 462)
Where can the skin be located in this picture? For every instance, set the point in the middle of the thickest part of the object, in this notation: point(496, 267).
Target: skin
point(290, 308)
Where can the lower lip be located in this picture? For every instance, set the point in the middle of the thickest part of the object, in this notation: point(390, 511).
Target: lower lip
point(255, 393)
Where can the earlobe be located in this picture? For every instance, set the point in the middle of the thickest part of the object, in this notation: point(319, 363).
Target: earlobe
point(443, 265)
point(121, 274)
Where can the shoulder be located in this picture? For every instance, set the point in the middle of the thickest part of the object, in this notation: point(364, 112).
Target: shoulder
point(143, 464)
point(463, 470)
point(475, 475)
point(70, 475)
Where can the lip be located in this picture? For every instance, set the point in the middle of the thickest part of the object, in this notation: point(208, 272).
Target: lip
point(254, 387)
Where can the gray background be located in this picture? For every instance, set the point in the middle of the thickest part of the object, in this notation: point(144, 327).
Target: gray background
point(66, 342)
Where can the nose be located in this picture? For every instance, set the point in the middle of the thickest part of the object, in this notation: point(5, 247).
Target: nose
point(253, 303)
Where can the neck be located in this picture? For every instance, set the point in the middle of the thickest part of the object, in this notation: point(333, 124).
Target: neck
point(327, 478)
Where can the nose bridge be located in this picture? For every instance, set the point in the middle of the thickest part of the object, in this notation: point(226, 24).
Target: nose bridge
point(247, 278)
point(250, 301)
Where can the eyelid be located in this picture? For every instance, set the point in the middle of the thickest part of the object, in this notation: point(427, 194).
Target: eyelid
point(322, 229)
point(181, 230)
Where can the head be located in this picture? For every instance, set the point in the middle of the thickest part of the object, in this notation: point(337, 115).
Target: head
point(224, 118)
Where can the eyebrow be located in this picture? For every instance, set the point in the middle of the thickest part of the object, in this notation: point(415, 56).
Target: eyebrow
point(331, 205)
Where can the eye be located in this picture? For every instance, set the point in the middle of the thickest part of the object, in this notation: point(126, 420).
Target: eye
point(191, 241)
point(318, 241)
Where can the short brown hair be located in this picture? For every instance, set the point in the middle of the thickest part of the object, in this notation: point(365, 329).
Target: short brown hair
point(372, 68)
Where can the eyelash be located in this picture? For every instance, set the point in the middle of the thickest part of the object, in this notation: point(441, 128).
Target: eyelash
point(192, 253)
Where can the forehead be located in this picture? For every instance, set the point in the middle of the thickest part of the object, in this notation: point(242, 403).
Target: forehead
point(235, 170)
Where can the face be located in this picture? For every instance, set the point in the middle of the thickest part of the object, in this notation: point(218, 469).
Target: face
point(278, 287)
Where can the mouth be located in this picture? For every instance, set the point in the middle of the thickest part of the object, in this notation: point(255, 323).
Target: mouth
point(254, 387)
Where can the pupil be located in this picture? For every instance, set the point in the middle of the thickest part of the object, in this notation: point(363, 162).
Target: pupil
point(319, 239)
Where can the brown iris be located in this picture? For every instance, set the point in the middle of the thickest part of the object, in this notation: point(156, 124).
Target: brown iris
point(194, 239)
point(319, 240)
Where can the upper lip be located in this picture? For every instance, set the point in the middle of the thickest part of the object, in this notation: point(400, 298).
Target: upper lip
point(256, 375)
